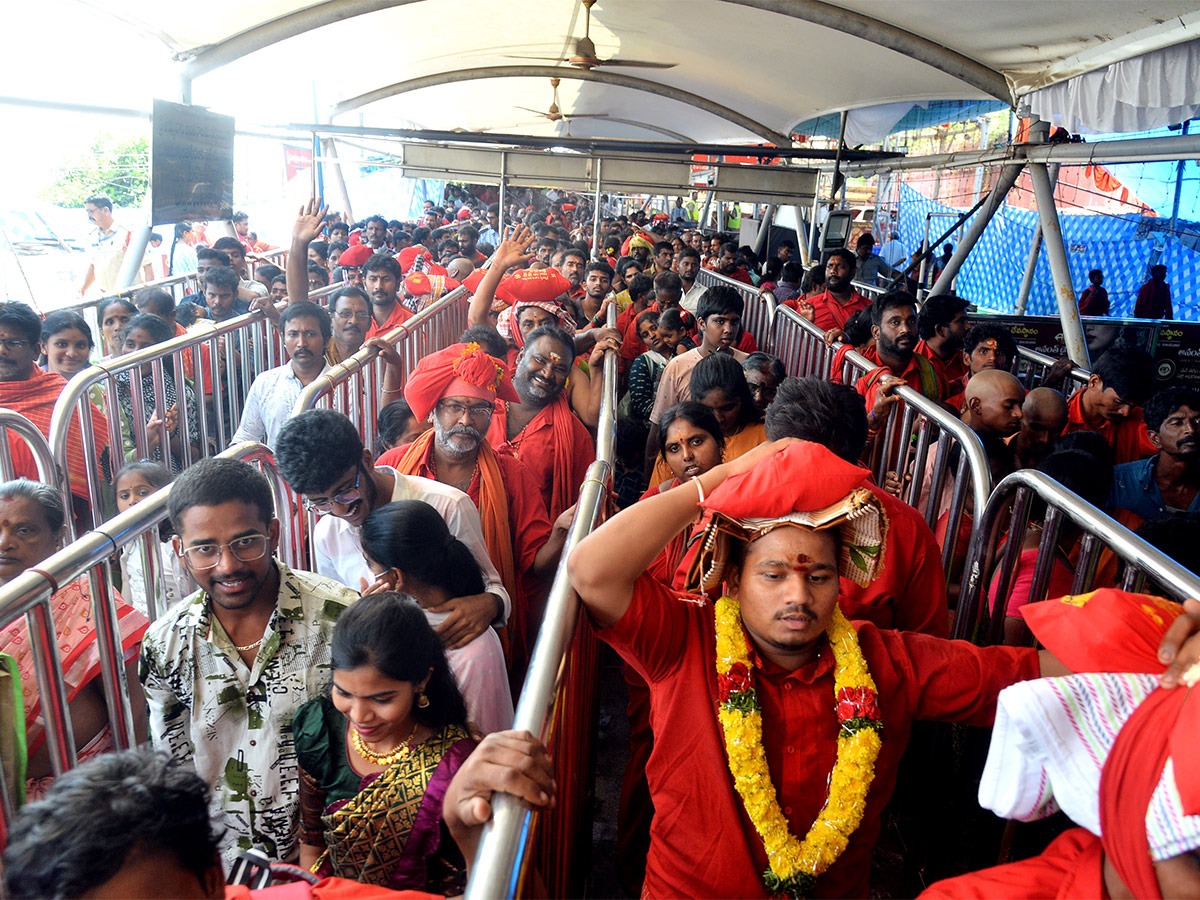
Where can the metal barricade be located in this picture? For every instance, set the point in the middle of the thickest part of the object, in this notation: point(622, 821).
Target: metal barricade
point(870, 291)
point(30, 595)
point(247, 342)
point(759, 308)
point(557, 703)
point(800, 345)
point(1007, 515)
point(39, 448)
point(353, 386)
point(1031, 367)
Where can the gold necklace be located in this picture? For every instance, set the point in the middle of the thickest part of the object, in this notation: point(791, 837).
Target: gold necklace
point(382, 759)
point(248, 646)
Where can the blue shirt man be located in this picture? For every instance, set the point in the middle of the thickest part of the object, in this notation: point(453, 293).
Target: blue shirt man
point(1169, 480)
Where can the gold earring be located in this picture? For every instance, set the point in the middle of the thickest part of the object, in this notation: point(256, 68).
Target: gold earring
point(422, 700)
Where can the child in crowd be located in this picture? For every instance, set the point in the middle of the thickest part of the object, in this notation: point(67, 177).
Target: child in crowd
point(133, 484)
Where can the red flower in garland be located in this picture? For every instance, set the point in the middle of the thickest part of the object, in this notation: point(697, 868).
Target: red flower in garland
point(737, 679)
point(857, 703)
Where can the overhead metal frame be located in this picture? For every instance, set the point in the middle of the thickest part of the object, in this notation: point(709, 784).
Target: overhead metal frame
point(610, 78)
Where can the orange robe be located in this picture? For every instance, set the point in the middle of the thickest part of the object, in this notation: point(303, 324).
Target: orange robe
point(555, 446)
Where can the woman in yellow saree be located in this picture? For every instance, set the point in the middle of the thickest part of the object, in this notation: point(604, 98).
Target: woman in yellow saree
point(377, 755)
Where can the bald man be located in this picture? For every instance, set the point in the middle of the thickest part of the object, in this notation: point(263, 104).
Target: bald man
point(993, 404)
point(1044, 416)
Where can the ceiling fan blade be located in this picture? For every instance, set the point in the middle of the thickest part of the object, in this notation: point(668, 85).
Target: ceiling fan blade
point(536, 112)
point(542, 58)
point(635, 63)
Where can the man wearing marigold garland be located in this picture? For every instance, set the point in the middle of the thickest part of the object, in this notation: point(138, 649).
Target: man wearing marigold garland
point(815, 712)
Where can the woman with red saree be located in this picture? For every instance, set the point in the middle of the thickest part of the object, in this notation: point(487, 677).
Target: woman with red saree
point(32, 518)
point(377, 755)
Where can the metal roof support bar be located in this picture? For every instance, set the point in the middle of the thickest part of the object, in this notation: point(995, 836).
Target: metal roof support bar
point(1056, 252)
point(1007, 178)
point(625, 81)
point(1035, 250)
point(597, 251)
point(923, 50)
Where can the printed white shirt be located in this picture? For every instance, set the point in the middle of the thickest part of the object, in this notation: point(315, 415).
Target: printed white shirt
point(338, 546)
point(269, 404)
point(233, 724)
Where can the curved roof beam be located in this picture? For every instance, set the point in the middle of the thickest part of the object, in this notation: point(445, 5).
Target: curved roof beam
point(886, 35)
point(625, 81)
point(646, 126)
point(214, 56)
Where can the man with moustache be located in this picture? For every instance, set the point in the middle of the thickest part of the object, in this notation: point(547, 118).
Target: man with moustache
point(272, 396)
point(541, 430)
point(321, 456)
point(381, 277)
point(458, 389)
point(351, 318)
point(834, 307)
point(226, 669)
point(894, 327)
point(1169, 481)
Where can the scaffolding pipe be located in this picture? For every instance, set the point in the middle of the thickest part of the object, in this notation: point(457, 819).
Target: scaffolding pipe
point(1008, 177)
point(135, 256)
point(1035, 250)
point(331, 152)
point(762, 239)
point(1056, 252)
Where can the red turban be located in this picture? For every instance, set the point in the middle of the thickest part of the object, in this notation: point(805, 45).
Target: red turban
point(461, 370)
point(464, 213)
point(408, 259)
point(568, 207)
point(356, 255)
point(506, 324)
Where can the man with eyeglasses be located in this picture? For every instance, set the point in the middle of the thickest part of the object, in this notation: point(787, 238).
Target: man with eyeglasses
point(26, 389)
point(272, 396)
point(457, 389)
point(321, 456)
point(541, 430)
point(226, 669)
point(351, 320)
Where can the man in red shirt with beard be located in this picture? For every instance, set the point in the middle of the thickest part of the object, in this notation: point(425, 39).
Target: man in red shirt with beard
point(834, 307)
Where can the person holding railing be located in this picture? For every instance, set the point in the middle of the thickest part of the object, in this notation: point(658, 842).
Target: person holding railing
point(741, 686)
point(32, 525)
point(143, 331)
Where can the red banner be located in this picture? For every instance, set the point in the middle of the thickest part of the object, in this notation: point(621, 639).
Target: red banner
point(296, 160)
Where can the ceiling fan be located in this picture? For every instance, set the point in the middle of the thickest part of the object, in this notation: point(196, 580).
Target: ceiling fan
point(585, 51)
point(553, 114)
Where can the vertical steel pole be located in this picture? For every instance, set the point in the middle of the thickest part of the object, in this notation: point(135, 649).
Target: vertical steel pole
point(1056, 252)
point(802, 248)
point(503, 192)
point(762, 239)
point(1008, 177)
point(596, 214)
point(135, 255)
point(1035, 250)
point(816, 216)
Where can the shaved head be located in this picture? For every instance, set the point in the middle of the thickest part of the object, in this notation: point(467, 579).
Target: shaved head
point(1043, 420)
point(994, 399)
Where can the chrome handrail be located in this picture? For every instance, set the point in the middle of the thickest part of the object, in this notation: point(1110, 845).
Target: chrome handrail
point(10, 420)
point(1142, 558)
point(506, 839)
point(1040, 363)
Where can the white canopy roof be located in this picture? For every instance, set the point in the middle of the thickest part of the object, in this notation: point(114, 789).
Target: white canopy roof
point(744, 70)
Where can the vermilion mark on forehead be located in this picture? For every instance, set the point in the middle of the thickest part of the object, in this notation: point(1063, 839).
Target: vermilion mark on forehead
point(802, 564)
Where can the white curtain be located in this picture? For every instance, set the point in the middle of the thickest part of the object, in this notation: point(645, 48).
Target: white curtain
point(1147, 92)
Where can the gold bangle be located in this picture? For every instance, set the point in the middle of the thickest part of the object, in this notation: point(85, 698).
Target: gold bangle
point(699, 490)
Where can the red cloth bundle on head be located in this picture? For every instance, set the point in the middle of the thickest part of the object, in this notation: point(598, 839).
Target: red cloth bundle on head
point(472, 281)
point(1123, 630)
point(535, 285)
point(464, 213)
point(414, 259)
point(568, 207)
point(355, 256)
point(461, 370)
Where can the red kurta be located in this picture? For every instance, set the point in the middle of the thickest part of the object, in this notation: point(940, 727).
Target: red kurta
point(702, 844)
point(398, 316)
point(926, 382)
point(829, 312)
point(1127, 437)
point(839, 359)
point(1071, 867)
point(555, 446)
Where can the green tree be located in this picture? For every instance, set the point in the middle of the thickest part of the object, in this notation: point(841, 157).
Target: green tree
point(117, 167)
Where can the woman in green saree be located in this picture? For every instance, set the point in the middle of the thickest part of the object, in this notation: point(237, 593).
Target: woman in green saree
point(377, 755)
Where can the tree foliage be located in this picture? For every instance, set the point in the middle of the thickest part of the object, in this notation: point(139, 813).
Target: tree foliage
point(116, 167)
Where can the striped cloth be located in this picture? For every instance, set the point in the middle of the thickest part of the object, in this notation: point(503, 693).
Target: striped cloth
point(1051, 739)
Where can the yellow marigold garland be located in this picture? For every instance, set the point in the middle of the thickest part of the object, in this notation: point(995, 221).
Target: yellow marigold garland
point(795, 865)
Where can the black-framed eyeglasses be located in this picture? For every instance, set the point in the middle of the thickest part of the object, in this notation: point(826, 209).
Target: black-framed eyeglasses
point(345, 498)
point(245, 549)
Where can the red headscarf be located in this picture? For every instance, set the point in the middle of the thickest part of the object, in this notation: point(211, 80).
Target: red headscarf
point(461, 370)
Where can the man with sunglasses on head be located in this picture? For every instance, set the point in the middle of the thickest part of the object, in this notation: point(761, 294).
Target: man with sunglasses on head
point(321, 456)
point(226, 669)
